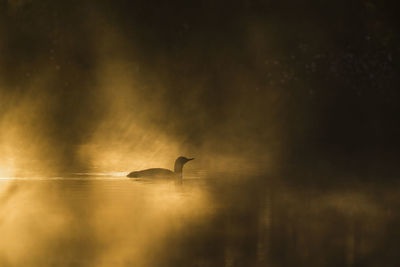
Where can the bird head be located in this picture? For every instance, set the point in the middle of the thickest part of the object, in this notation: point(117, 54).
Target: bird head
point(179, 162)
point(184, 160)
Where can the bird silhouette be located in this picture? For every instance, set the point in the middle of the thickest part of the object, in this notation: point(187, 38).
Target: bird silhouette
point(162, 173)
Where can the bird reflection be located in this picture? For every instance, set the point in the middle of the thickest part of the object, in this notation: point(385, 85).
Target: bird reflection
point(162, 173)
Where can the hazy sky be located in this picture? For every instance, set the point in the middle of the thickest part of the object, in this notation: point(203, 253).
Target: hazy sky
point(310, 81)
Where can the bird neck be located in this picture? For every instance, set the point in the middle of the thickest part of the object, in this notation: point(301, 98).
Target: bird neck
point(178, 168)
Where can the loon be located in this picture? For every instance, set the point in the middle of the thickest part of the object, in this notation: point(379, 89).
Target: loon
point(162, 173)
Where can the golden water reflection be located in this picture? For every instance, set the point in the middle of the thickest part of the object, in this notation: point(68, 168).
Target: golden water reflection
point(205, 221)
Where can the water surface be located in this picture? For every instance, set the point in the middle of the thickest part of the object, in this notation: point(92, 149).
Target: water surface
point(105, 219)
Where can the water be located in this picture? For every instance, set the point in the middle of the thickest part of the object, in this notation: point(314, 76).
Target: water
point(105, 219)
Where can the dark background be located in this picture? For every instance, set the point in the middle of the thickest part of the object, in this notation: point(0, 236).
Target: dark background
point(315, 82)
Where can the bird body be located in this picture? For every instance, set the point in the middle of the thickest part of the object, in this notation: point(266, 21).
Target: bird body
point(162, 173)
point(153, 172)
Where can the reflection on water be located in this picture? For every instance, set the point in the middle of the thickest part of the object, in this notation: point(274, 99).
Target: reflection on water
point(208, 220)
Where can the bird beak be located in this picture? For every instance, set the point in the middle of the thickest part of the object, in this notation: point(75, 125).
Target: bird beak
point(191, 159)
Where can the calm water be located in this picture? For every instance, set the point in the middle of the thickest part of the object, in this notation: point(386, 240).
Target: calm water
point(208, 220)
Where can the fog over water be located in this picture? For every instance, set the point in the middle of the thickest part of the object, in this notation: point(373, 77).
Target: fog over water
point(289, 109)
